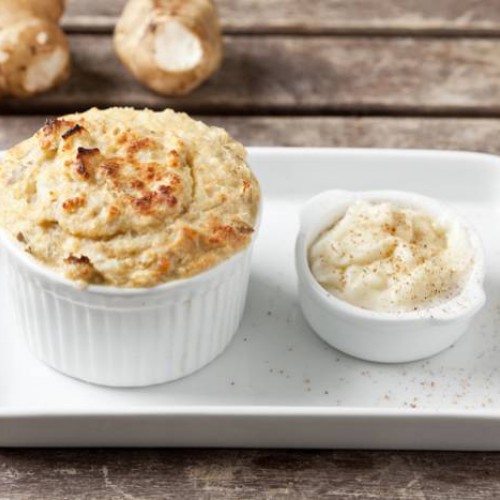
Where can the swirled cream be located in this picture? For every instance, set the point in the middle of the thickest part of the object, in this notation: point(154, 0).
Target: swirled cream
point(383, 257)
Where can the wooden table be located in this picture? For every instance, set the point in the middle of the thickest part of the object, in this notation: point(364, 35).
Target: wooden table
point(387, 73)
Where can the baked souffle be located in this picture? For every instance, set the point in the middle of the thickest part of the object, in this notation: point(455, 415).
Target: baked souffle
point(128, 198)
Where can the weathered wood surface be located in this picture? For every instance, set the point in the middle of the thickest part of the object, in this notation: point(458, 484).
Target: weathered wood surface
point(301, 75)
point(428, 133)
point(321, 16)
point(222, 474)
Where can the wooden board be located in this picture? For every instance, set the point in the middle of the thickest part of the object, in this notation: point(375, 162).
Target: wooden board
point(321, 16)
point(429, 133)
point(301, 75)
point(232, 474)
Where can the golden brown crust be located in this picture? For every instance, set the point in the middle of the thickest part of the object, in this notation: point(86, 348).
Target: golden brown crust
point(145, 197)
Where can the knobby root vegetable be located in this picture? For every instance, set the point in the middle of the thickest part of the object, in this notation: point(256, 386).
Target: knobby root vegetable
point(34, 52)
point(172, 46)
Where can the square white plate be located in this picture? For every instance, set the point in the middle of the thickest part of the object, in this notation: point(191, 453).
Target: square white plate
point(278, 384)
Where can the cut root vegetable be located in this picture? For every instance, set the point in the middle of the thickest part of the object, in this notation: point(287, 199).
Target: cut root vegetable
point(34, 52)
point(172, 46)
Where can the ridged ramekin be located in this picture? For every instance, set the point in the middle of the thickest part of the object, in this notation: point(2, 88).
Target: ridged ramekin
point(383, 336)
point(127, 337)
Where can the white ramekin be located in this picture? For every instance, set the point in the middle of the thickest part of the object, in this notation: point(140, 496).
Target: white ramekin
point(382, 336)
point(127, 337)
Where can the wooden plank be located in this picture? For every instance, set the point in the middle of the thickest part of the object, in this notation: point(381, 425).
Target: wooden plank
point(231, 474)
point(301, 75)
point(321, 16)
point(428, 133)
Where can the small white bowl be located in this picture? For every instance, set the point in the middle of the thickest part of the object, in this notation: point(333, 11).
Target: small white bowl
point(382, 336)
point(127, 337)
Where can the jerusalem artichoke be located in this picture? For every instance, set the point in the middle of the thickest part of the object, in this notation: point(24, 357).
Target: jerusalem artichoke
point(172, 46)
point(34, 53)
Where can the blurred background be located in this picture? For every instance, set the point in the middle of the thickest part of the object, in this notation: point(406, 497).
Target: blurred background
point(388, 73)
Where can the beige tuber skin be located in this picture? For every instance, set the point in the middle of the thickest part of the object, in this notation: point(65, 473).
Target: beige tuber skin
point(172, 46)
point(34, 53)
